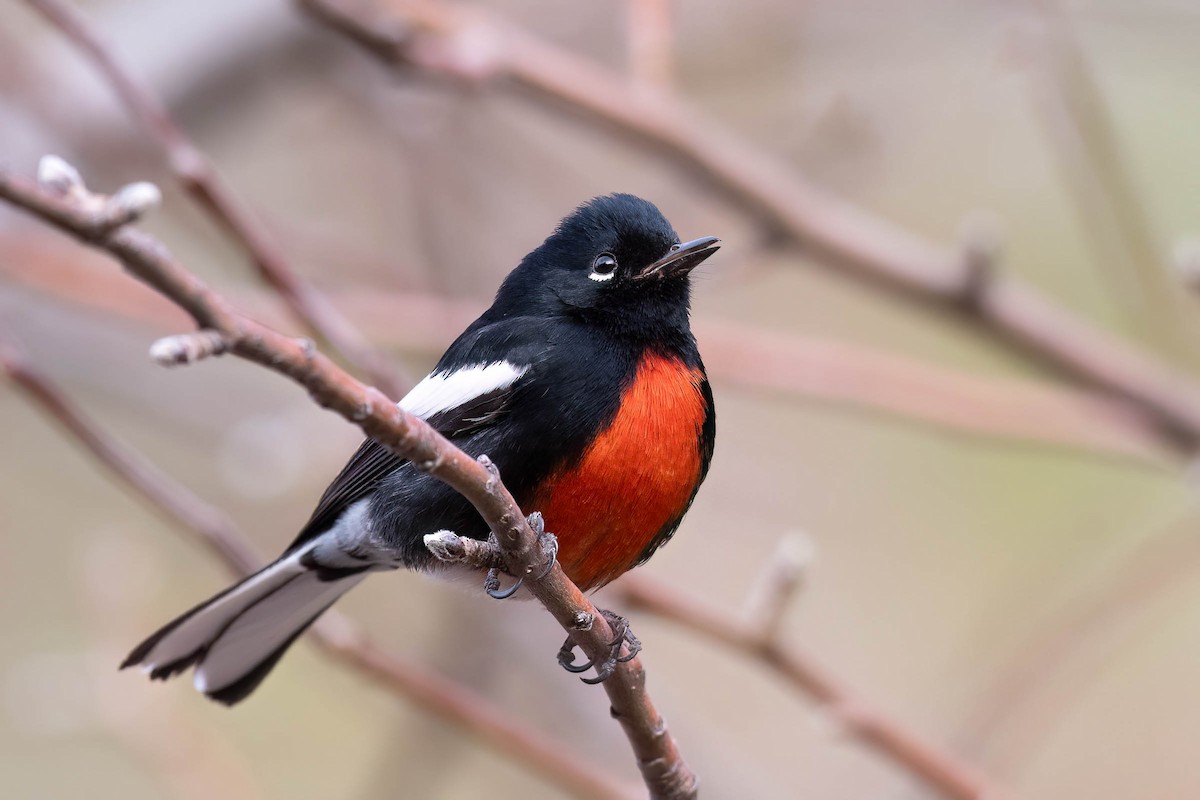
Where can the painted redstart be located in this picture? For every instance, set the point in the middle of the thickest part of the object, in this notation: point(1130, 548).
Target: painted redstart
point(583, 384)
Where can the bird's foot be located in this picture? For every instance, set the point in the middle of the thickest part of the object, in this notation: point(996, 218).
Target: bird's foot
point(547, 543)
point(491, 585)
point(624, 637)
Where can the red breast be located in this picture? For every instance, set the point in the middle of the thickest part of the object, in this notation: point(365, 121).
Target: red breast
point(633, 480)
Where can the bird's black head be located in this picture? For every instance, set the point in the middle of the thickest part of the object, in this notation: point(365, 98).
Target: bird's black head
point(615, 261)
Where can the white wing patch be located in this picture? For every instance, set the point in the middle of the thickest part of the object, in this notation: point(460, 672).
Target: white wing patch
point(443, 391)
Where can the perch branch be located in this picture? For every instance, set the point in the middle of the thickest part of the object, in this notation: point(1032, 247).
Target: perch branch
point(201, 180)
point(663, 769)
point(336, 635)
point(187, 348)
point(467, 43)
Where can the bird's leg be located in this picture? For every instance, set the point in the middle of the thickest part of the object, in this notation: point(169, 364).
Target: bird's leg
point(547, 543)
point(624, 636)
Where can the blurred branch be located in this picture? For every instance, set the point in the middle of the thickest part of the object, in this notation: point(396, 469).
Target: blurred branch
point(757, 640)
point(1185, 263)
point(650, 37)
point(83, 215)
point(1098, 176)
point(1039, 680)
point(467, 43)
point(788, 366)
point(782, 579)
point(172, 499)
point(213, 194)
point(336, 635)
point(860, 377)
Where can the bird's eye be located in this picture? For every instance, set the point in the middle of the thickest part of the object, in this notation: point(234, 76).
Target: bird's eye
point(604, 267)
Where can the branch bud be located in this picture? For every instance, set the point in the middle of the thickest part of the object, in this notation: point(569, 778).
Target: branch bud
point(56, 175)
point(132, 201)
point(187, 348)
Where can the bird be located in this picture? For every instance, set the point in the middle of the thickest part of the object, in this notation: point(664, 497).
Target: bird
point(583, 384)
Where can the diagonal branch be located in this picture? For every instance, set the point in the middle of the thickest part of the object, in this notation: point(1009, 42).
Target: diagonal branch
point(336, 635)
point(212, 193)
point(467, 43)
point(663, 769)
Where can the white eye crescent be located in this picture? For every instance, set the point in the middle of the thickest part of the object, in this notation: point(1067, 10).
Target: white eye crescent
point(604, 267)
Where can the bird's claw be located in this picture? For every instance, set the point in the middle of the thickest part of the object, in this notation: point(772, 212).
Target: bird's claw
point(624, 637)
point(491, 585)
point(549, 545)
point(547, 542)
point(566, 658)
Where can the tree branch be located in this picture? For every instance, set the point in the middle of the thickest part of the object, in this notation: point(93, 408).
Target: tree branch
point(467, 43)
point(336, 635)
point(199, 178)
point(663, 769)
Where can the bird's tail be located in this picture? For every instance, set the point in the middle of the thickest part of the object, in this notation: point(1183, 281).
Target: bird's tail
point(238, 636)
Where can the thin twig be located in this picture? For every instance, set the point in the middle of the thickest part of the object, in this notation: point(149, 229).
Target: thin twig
point(781, 579)
point(188, 348)
point(467, 43)
point(905, 747)
point(336, 635)
point(198, 176)
point(451, 548)
point(663, 769)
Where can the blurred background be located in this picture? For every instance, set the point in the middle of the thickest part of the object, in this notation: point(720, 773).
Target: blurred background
point(1005, 556)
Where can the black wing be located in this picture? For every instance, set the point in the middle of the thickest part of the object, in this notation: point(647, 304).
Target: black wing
point(521, 341)
point(362, 473)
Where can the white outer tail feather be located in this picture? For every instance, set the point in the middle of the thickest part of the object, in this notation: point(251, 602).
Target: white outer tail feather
point(206, 623)
point(260, 630)
point(236, 631)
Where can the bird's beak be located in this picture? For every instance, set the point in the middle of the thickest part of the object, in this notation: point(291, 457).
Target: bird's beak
point(682, 258)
